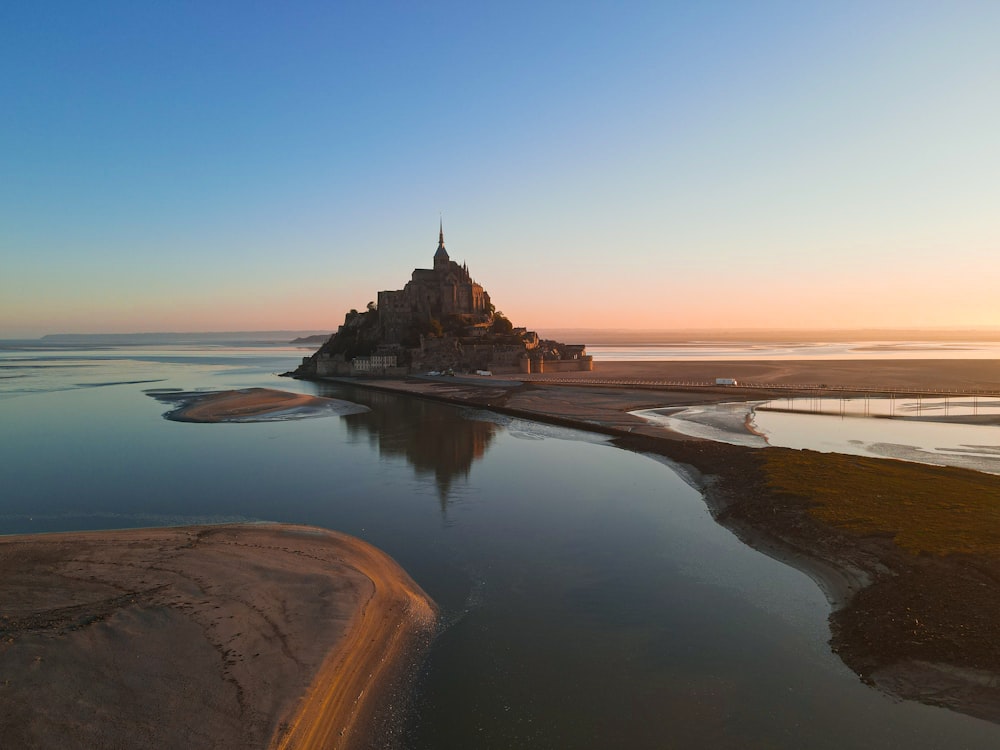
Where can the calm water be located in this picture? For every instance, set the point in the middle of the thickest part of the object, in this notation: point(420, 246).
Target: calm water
point(905, 428)
point(589, 599)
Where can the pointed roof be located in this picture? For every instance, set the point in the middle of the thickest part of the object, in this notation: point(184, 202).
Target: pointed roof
point(441, 252)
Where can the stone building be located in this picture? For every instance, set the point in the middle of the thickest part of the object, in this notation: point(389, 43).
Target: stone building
point(442, 292)
point(442, 320)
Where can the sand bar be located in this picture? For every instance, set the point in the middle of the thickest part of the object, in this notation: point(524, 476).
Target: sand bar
point(235, 636)
point(250, 405)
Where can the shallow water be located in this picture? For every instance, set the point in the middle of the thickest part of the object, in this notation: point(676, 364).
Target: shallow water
point(904, 428)
point(724, 423)
point(924, 430)
point(589, 598)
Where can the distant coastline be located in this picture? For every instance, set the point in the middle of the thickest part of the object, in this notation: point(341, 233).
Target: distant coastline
point(179, 337)
point(653, 337)
point(589, 336)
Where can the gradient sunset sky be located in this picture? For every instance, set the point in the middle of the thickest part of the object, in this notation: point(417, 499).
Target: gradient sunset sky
point(244, 165)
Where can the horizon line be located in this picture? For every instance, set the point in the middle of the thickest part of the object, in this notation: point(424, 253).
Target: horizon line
point(868, 330)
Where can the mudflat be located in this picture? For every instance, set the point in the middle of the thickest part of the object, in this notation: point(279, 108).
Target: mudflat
point(230, 636)
point(980, 374)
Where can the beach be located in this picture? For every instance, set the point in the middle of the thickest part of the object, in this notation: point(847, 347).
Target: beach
point(227, 636)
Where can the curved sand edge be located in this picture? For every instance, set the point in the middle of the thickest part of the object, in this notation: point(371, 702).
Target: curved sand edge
point(250, 405)
point(343, 692)
point(214, 636)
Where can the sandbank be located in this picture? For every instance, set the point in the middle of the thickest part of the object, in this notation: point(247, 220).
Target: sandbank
point(232, 636)
point(250, 405)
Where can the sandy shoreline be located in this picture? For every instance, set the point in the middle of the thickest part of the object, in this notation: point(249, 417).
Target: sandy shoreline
point(213, 636)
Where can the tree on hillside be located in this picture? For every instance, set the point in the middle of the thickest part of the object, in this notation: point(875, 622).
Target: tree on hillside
point(501, 325)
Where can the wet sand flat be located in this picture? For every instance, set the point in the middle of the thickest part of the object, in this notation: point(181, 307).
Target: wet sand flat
point(216, 407)
point(214, 637)
point(983, 374)
point(249, 405)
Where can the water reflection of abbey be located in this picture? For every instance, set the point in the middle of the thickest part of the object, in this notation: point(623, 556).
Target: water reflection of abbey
point(435, 440)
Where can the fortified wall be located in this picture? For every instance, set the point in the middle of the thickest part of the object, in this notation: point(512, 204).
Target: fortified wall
point(441, 320)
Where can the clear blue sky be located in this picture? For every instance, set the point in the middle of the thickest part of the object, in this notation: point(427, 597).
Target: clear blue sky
point(223, 166)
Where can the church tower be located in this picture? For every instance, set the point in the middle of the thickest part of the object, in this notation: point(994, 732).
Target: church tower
point(441, 256)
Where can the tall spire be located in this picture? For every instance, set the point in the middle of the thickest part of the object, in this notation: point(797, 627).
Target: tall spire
point(441, 256)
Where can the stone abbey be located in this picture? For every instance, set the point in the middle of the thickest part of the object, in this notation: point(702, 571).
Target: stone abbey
point(441, 320)
point(433, 293)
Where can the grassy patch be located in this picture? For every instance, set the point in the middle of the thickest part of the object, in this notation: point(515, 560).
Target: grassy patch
point(927, 509)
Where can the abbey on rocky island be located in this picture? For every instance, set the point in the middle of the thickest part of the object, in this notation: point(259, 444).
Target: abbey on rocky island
point(441, 320)
point(433, 294)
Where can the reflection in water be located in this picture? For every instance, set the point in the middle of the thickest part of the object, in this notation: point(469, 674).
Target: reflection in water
point(437, 442)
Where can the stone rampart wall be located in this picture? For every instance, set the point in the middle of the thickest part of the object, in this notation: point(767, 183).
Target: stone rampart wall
point(582, 364)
